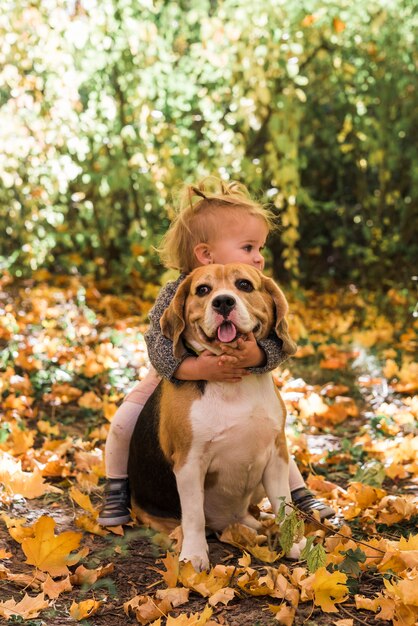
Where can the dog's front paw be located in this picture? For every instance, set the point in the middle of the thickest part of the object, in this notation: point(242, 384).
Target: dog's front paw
point(198, 558)
point(295, 551)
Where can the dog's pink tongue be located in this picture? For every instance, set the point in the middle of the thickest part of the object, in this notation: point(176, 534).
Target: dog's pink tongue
point(227, 332)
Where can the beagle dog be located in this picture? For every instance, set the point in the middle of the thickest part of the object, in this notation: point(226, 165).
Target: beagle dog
point(204, 452)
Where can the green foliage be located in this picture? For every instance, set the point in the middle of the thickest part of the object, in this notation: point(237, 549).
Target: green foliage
point(291, 531)
point(106, 106)
point(350, 564)
point(316, 557)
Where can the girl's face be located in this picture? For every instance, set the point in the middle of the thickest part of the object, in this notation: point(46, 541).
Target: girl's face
point(242, 241)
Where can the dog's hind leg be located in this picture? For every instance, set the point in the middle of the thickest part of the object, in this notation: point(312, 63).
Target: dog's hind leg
point(276, 484)
point(190, 485)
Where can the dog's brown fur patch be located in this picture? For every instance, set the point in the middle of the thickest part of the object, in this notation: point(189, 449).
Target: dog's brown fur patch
point(175, 428)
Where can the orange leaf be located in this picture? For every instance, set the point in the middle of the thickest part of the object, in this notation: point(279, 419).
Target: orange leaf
point(284, 614)
point(84, 609)
point(54, 588)
point(339, 25)
point(27, 608)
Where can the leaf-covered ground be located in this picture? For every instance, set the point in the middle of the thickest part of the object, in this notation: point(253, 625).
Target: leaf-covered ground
point(70, 351)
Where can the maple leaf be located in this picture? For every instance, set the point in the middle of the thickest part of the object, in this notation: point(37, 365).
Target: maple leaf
point(83, 500)
point(4, 554)
point(283, 613)
point(175, 595)
point(171, 563)
point(243, 537)
point(195, 619)
point(27, 608)
point(53, 588)
point(84, 576)
point(84, 609)
point(405, 590)
point(386, 605)
point(146, 608)
point(328, 589)
point(27, 484)
point(47, 551)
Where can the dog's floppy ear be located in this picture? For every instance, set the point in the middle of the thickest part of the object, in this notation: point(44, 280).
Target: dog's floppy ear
point(172, 320)
point(281, 327)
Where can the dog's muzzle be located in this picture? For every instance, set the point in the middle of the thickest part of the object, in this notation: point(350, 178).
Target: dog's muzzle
point(224, 305)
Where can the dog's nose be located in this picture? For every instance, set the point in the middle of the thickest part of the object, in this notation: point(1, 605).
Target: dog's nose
point(223, 304)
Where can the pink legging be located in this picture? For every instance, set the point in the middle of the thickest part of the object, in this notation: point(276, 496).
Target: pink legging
point(123, 424)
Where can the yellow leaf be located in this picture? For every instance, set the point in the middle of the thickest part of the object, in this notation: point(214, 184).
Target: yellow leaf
point(171, 563)
point(328, 589)
point(406, 590)
point(223, 596)
point(175, 595)
point(195, 619)
point(84, 609)
point(16, 529)
point(46, 428)
point(146, 608)
point(27, 484)
point(368, 604)
point(27, 608)
point(47, 551)
point(83, 500)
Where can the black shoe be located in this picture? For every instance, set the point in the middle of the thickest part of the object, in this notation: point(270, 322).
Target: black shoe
point(307, 503)
point(117, 500)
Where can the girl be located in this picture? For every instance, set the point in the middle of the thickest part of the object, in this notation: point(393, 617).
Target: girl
point(222, 226)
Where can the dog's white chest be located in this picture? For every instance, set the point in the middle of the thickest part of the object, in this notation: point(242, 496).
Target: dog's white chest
point(235, 424)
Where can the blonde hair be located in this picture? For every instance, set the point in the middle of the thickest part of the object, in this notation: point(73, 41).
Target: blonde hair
point(197, 218)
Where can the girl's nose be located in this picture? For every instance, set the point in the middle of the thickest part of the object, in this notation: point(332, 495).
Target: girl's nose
point(259, 260)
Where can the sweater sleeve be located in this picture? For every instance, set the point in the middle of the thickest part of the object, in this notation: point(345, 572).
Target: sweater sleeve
point(160, 349)
point(273, 347)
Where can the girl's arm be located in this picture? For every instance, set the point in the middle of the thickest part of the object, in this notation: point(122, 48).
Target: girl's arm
point(258, 357)
point(160, 349)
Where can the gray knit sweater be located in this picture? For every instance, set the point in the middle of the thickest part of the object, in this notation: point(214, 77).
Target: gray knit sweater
point(160, 349)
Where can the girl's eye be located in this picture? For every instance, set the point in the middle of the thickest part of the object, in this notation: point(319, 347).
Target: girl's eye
point(244, 285)
point(203, 290)
point(248, 248)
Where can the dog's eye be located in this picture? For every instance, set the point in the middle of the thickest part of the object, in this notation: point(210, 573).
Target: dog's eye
point(244, 285)
point(203, 290)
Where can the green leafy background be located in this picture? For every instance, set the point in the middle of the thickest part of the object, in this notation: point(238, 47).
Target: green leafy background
point(106, 107)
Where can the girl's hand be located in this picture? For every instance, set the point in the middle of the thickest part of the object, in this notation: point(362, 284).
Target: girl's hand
point(247, 352)
point(210, 367)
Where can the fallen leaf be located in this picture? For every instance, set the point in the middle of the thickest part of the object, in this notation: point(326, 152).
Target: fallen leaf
point(328, 589)
point(47, 551)
point(84, 609)
point(27, 608)
point(283, 614)
point(53, 588)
